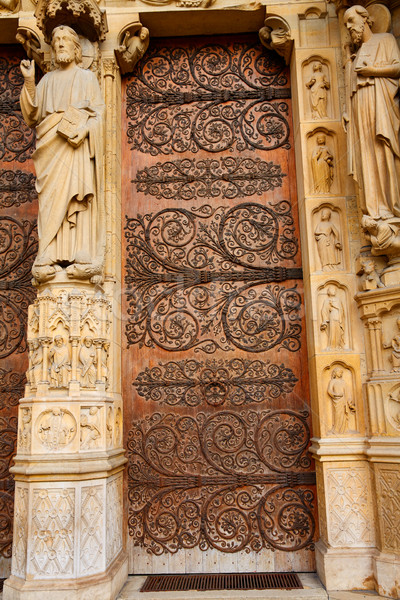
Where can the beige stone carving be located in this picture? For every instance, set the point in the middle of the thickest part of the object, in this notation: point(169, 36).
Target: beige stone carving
point(35, 370)
point(60, 363)
point(393, 410)
point(384, 235)
point(395, 347)
point(342, 403)
point(349, 502)
point(114, 518)
point(118, 428)
point(32, 46)
point(20, 534)
point(370, 279)
point(134, 43)
point(318, 86)
point(333, 319)
point(276, 35)
point(109, 427)
point(9, 5)
point(90, 428)
point(88, 363)
point(388, 484)
point(56, 428)
point(373, 122)
point(322, 166)
point(92, 523)
point(328, 242)
point(53, 514)
point(25, 430)
point(67, 110)
point(87, 13)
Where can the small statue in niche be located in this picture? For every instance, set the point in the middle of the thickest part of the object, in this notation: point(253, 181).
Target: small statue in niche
point(343, 405)
point(132, 49)
point(87, 363)
point(90, 430)
point(67, 110)
point(318, 86)
point(370, 279)
point(395, 346)
point(24, 438)
point(332, 314)
point(60, 363)
point(322, 166)
point(373, 121)
point(35, 370)
point(328, 241)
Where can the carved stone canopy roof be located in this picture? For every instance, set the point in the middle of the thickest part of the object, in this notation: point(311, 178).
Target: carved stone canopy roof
point(84, 16)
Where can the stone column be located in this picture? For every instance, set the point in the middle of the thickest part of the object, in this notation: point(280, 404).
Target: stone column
point(330, 243)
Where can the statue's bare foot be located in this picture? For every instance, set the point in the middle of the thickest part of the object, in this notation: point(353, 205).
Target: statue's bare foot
point(43, 273)
point(83, 271)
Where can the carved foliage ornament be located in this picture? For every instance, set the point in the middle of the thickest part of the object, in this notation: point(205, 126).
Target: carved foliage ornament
point(211, 98)
point(192, 279)
point(231, 481)
point(83, 15)
point(215, 382)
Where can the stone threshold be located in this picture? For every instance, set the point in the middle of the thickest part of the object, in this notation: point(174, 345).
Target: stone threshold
point(313, 590)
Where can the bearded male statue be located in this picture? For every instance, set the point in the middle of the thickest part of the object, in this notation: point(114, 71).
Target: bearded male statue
point(67, 110)
point(374, 120)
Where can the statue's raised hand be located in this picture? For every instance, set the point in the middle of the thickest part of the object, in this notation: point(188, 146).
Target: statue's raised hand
point(28, 69)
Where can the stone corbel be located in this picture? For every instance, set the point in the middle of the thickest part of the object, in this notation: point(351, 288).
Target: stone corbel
point(84, 16)
point(133, 41)
point(32, 46)
point(276, 35)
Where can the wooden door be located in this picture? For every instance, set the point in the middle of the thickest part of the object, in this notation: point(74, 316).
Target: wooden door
point(215, 378)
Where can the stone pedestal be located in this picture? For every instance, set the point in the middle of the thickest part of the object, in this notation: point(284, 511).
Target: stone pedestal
point(68, 520)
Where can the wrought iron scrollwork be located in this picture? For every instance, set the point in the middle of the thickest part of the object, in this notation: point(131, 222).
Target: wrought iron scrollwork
point(11, 387)
point(209, 178)
point(8, 425)
point(16, 188)
point(18, 247)
point(206, 481)
point(214, 382)
point(198, 279)
point(211, 98)
point(16, 138)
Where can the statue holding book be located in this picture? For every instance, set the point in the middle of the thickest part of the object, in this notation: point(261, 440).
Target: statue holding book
point(67, 110)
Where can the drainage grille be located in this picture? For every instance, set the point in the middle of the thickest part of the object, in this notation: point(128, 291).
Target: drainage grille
point(228, 581)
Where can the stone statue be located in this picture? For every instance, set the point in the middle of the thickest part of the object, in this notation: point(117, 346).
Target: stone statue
point(35, 370)
point(332, 314)
point(374, 119)
point(318, 86)
point(322, 166)
point(328, 241)
point(277, 38)
point(60, 363)
point(90, 430)
point(67, 110)
point(383, 235)
point(343, 405)
point(24, 439)
point(370, 279)
point(395, 346)
point(132, 49)
point(10, 5)
point(87, 363)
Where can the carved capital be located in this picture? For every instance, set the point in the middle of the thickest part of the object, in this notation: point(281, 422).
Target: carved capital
point(84, 16)
point(276, 35)
point(133, 41)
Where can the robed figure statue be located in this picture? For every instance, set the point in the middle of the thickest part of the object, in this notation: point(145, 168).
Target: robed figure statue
point(374, 120)
point(67, 110)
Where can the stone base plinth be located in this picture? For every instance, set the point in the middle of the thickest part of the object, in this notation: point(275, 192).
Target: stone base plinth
point(387, 574)
point(100, 587)
point(345, 569)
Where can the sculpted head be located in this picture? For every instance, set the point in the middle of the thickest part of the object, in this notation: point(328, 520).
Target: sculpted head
point(66, 45)
point(317, 66)
point(325, 214)
point(357, 19)
point(321, 139)
point(337, 373)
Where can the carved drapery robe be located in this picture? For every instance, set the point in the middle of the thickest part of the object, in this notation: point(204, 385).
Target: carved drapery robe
point(374, 129)
point(71, 214)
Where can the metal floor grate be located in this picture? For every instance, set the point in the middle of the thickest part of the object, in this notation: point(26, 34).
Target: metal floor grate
point(223, 581)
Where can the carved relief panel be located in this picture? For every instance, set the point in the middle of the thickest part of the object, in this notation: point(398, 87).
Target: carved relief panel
point(18, 246)
point(215, 376)
point(323, 162)
point(318, 96)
